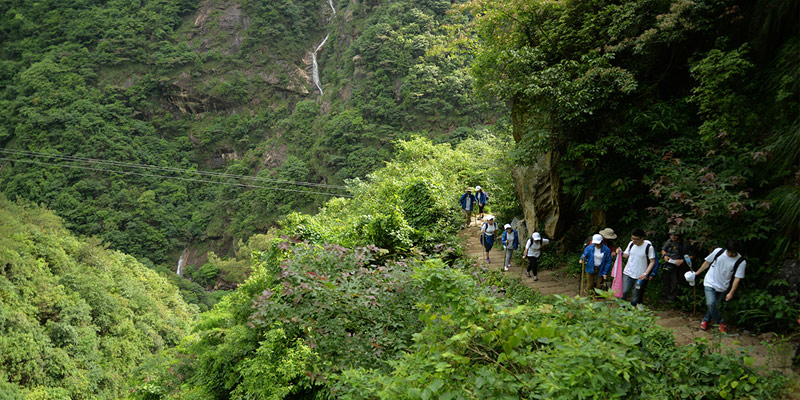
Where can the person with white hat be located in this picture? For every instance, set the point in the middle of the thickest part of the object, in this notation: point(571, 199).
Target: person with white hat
point(488, 234)
point(596, 261)
point(533, 250)
point(467, 202)
point(482, 198)
point(510, 243)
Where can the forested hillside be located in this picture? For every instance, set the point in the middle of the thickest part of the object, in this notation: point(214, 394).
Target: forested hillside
point(659, 114)
point(76, 319)
point(307, 158)
point(219, 86)
point(327, 314)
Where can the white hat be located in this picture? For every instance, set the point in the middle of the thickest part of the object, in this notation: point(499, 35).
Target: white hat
point(488, 217)
point(689, 275)
point(506, 226)
point(477, 188)
point(597, 239)
point(536, 236)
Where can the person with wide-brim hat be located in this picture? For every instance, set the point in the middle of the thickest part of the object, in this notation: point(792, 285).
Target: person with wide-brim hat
point(608, 240)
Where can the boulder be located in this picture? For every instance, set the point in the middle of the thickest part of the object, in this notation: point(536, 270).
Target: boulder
point(538, 188)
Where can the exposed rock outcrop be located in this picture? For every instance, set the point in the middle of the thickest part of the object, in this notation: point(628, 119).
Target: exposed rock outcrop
point(538, 189)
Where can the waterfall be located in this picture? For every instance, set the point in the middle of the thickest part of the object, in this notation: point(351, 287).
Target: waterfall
point(315, 70)
point(314, 66)
point(181, 262)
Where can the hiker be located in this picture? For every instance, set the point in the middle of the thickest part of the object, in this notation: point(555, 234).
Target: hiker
point(608, 240)
point(596, 261)
point(482, 198)
point(510, 243)
point(467, 202)
point(638, 271)
point(674, 251)
point(722, 264)
point(533, 250)
point(488, 230)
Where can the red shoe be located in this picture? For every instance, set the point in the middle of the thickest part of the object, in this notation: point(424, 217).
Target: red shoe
point(722, 328)
point(704, 325)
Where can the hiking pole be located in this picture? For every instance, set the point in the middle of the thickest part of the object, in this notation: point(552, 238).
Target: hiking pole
point(688, 260)
point(583, 271)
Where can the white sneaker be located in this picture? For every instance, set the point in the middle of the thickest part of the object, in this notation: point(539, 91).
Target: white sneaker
point(640, 307)
point(506, 268)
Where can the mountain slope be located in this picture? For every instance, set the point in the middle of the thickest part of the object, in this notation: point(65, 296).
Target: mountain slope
point(76, 318)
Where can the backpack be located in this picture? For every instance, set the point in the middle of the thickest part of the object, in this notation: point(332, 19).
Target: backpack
point(646, 251)
point(735, 265)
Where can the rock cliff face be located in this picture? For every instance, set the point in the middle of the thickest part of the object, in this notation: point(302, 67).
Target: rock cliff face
point(538, 188)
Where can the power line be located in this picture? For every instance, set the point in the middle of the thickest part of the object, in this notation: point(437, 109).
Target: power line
point(170, 169)
point(173, 177)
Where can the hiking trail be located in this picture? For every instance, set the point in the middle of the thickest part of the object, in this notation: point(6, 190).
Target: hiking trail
point(767, 349)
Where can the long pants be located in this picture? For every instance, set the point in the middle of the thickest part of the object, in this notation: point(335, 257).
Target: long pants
point(713, 298)
point(593, 282)
point(636, 296)
point(509, 253)
point(533, 265)
point(468, 216)
point(670, 274)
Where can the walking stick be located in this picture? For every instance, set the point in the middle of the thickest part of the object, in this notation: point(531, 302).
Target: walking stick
point(583, 271)
point(694, 287)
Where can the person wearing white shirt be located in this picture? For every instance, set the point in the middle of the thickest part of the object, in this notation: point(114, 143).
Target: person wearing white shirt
point(488, 235)
point(533, 250)
point(641, 259)
point(722, 264)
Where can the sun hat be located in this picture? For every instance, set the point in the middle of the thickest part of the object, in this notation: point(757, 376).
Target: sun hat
point(608, 233)
point(488, 217)
point(597, 239)
point(536, 236)
point(689, 276)
point(507, 226)
point(674, 231)
point(477, 187)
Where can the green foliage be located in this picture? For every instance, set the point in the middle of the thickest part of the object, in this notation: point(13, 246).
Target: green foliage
point(764, 311)
point(179, 84)
point(644, 134)
point(475, 346)
point(76, 319)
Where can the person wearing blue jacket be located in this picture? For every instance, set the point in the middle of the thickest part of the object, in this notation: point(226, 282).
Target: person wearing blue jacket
point(467, 202)
point(482, 198)
point(510, 243)
point(596, 259)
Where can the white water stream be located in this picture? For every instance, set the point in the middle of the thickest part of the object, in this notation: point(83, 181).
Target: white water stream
point(314, 66)
point(315, 70)
point(181, 262)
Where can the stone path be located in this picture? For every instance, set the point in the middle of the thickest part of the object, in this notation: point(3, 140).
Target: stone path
point(765, 348)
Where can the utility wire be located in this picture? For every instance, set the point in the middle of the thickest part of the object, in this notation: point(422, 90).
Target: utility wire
point(173, 177)
point(169, 169)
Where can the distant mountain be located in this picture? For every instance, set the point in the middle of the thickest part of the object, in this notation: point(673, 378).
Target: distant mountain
point(220, 86)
